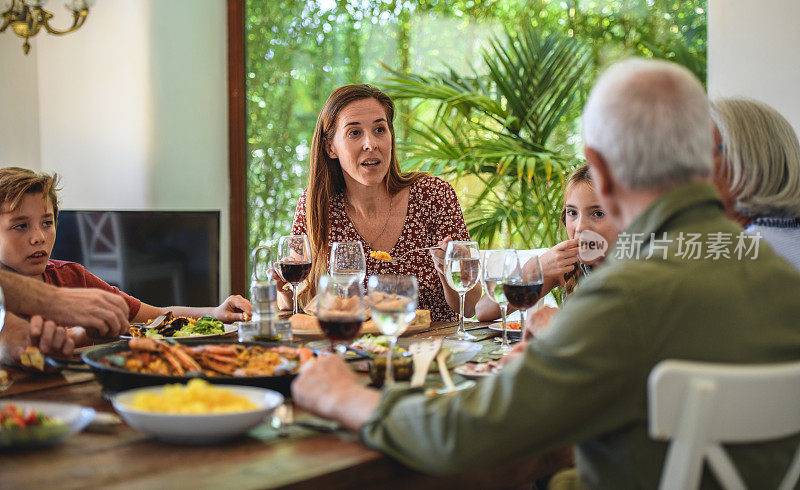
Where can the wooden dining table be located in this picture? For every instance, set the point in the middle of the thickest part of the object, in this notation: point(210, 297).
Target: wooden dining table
point(113, 455)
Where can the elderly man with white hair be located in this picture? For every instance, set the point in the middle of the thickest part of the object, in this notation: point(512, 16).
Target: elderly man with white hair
point(679, 283)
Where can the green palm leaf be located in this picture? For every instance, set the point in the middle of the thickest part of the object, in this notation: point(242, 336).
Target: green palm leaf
point(493, 128)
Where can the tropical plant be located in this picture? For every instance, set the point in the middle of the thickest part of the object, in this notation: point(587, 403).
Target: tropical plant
point(492, 131)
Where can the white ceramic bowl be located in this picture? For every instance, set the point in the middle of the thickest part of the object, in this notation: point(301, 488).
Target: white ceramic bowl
point(198, 429)
point(74, 417)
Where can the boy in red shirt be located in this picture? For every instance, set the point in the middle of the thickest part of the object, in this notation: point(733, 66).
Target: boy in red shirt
point(28, 212)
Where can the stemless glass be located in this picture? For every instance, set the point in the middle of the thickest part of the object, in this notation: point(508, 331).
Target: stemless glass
point(494, 262)
point(462, 265)
point(522, 284)
point(340, 310)
point(347, 263)
point(294, 261)
point(393, 304)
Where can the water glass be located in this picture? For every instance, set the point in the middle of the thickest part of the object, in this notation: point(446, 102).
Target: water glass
point(494, 262)
point(347, 262)
point(462, 266)
point(393, 302)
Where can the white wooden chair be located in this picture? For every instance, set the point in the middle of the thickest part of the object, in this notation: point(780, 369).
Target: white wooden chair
point(700, 406)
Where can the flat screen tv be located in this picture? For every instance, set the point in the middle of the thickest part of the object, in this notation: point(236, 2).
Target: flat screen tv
point(163, 258)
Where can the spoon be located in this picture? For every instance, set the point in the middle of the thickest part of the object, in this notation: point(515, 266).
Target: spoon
point(423, 353)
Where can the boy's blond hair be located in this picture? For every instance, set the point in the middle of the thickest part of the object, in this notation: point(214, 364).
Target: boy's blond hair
point(15, 182)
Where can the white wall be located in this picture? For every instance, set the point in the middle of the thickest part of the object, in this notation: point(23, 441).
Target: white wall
point(754, 51)
point(131, 110)
point(19, 105)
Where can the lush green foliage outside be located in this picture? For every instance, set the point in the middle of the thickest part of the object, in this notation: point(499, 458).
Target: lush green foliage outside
point(298, 52)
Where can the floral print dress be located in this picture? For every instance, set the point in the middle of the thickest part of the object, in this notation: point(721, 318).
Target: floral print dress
point(433, 214)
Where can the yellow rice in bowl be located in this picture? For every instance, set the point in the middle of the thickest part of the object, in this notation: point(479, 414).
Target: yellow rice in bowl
point(198, 397)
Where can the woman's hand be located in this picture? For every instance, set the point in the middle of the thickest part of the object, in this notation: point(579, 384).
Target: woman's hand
point(559, 260)
point(437, 255)
point(233, 309)
point(285, 300)
point(49, 338)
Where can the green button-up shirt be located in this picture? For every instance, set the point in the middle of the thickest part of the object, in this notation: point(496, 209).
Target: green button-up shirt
point(584, 381)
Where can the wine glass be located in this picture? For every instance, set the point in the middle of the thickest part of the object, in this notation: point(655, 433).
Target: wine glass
point(462, 265)
point(522, 284)
point(494, 262)
point(2, 309)
point(294, 261)
point(393, 303)
point(340, 310)
point(347, 263)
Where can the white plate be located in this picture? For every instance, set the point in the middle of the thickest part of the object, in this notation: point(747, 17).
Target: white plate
point(498, 327)
point(74, 417)
point(198, 429)
point(229, 328)
point(468, 373)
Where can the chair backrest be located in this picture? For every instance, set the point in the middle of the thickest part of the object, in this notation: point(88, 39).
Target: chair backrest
point(702, 405)
point(101, 239)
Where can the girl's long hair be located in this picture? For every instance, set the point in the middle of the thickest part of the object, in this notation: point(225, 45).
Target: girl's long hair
point(578, 176)
point(325, 177)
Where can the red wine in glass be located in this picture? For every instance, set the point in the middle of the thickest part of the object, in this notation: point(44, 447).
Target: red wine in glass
point(294, 272)
point(340, 329)
point(522, 296)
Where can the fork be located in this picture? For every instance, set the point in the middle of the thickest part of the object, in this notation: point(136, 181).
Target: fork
point(282, 417)
point(396, 260)
point(423, 353)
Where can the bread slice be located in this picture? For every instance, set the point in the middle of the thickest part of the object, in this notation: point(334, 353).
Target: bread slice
point(32, 357)
point(308, 325)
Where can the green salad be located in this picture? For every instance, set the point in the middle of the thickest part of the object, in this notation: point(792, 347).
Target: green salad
point(205, 325)
point(375, 344)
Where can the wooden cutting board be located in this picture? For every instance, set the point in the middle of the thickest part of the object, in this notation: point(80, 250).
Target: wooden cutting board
point(308, 326)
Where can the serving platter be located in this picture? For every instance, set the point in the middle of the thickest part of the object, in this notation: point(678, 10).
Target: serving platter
point(115, 379)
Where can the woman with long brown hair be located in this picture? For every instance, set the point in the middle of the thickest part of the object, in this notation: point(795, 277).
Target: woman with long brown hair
point(356, 191)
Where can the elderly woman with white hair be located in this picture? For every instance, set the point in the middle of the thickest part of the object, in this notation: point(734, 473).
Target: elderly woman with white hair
point(757, 172)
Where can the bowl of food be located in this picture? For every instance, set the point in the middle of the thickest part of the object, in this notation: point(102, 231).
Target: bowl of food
point(34, 423)
point(403, 368)
point(195, 413)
